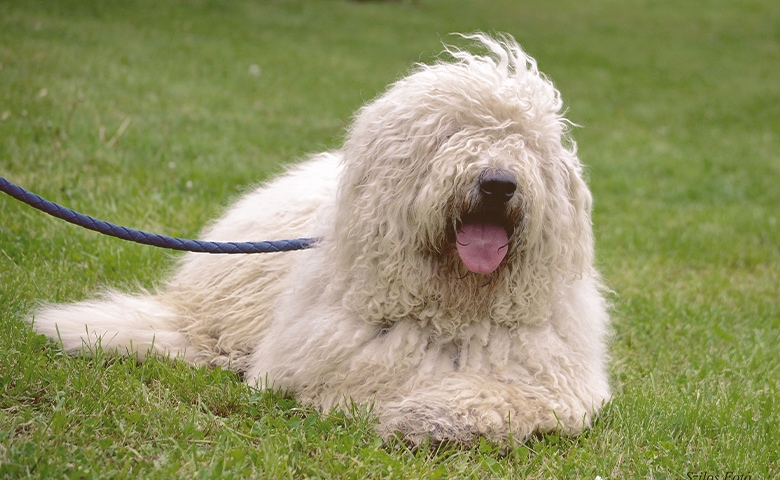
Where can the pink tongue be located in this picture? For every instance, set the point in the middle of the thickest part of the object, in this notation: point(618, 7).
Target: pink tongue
point(482, 246)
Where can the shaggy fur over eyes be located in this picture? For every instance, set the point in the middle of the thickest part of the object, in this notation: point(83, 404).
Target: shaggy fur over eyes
point(453, 288)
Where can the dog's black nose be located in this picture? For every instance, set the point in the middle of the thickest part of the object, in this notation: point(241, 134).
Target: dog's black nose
point(498, 187)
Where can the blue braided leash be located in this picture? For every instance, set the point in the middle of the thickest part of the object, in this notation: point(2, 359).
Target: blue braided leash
point(146, 238)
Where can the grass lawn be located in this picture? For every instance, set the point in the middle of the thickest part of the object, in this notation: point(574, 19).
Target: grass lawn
point(156, 114)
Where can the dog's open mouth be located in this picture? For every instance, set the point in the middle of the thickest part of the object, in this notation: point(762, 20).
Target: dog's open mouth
point(482, 245)
point(487, 221)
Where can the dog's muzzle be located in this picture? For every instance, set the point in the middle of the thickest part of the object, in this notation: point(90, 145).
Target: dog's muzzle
point(482, 239)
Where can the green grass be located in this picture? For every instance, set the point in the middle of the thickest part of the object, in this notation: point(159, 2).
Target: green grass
point(156, 114)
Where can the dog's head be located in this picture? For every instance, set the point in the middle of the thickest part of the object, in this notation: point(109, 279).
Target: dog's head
point(462, 176)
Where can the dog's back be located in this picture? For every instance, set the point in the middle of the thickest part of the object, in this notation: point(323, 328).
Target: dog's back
point(215, 307)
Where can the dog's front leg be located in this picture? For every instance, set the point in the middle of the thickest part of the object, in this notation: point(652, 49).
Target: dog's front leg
point(462, 407)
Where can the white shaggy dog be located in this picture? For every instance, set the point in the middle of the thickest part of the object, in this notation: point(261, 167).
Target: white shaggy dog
point(453, 287)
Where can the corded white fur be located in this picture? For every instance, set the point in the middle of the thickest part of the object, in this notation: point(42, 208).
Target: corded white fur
point(383, 311)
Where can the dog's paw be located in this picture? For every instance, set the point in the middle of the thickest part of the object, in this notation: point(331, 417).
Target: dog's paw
point(416, 424)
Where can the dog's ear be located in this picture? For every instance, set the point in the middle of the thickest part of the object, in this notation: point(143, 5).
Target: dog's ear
point(576, 186)
point(581, 201)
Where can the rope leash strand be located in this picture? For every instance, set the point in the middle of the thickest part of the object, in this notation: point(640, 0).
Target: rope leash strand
point(146, 238)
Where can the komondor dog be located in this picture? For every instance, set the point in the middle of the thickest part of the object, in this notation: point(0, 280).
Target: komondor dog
point(452, 289)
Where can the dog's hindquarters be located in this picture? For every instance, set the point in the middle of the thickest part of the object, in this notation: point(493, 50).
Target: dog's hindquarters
point(124, 324)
